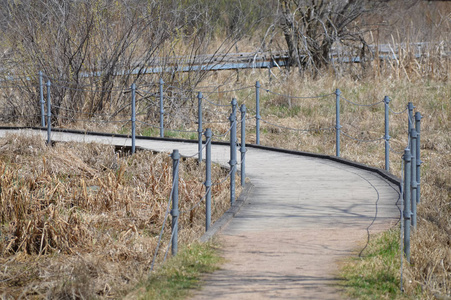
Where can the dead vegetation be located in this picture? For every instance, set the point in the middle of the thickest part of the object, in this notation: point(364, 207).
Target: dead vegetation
point(78, 221)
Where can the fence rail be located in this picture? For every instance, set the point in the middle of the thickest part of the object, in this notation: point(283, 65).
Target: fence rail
point(252, 60)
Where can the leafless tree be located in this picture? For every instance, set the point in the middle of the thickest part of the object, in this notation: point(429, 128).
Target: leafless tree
point(82, 45)
point(312, 27)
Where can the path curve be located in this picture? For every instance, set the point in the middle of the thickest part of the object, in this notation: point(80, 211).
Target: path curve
point(303, 216)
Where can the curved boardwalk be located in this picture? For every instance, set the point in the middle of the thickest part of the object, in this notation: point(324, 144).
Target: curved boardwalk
point(301, 218)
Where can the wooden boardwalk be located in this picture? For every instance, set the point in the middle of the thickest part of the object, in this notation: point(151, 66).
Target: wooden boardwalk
point(303, 216)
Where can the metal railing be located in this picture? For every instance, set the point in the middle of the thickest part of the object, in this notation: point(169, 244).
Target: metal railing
point(410, 189)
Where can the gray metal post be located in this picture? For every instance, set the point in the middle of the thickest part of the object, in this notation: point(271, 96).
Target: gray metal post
point(410, 108)
point(413, 176)
point(133, 117)
point(387, 136)
point(207, 183)
point(257, 113)
point(232, 161)
point(410, 124)
point(41, 99)
point(199, 125)
point(407, 211)
point(175, 199)
point(161, 108)
point(337, 122)
point(269, 72)
point(234, 105)
point(243, 144)
point(49, 115)
point(418, 118)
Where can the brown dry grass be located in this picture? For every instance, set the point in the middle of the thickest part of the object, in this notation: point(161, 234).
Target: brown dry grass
point(78, 221)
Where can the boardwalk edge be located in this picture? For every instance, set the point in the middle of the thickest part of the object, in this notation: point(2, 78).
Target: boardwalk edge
point(229, 214)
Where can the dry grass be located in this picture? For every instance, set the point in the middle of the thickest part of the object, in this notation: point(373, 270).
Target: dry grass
point(78, 221)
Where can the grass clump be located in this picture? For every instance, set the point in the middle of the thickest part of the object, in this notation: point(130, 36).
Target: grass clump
point(376, 274)
point(182, 274)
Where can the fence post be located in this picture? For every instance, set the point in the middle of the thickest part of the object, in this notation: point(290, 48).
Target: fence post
point(410, 108)
point(387, 136)
point(49, 114)
point(269, 71)
point(41, 99)
point(175, 199)
point(243, 144)
point(199, 125)
point(161, 108)
point(232, 161)
point(257, 113)
point(234, 105)
point(133, 117)
point(413, 176)
point(337, 122)
point(207, 183)
point(407, 211)
point(418, 118)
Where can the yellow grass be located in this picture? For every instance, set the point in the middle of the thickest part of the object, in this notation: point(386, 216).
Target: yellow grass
point(78, 220)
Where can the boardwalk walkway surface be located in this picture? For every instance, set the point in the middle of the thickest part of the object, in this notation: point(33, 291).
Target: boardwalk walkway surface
point(303, 216)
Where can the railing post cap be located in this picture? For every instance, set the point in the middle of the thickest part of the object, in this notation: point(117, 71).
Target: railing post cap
point(208, 133)
point(199, 95)
point(407, 156)
point(133, 85)
point(243, 108)
point(48, 83)
point(410, 105)
point(234, 102)
point(387, 99)
point(257, 84)
point(175, 154)
point(161, 80)
point(418, 116)
point(337, 92)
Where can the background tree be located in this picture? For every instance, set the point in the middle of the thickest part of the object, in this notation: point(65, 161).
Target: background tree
point(81, 46)
point(312, 27)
